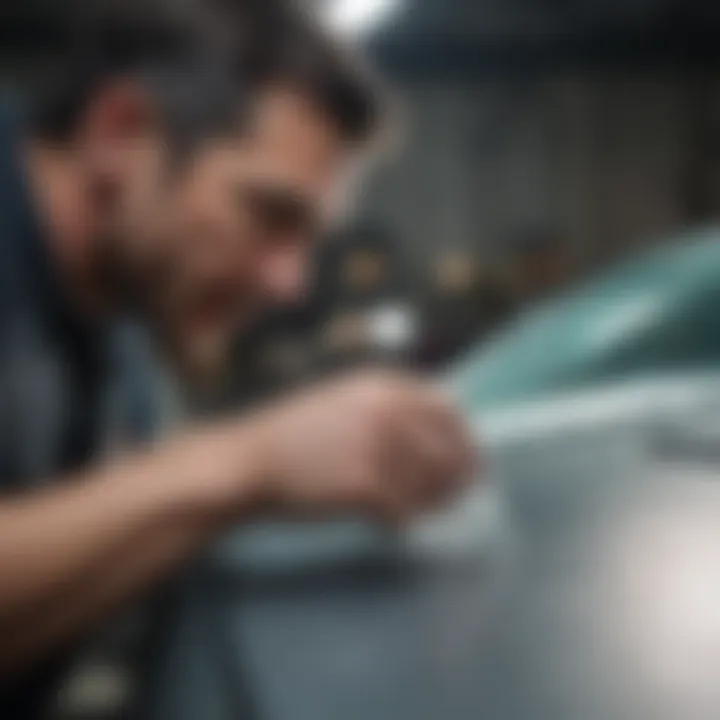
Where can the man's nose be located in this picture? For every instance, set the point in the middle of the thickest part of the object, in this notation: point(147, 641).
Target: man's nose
point(286, 275)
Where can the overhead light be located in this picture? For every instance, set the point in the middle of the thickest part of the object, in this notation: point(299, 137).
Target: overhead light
point(358, 17)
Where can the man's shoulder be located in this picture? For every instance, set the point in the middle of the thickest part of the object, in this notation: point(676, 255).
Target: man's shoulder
point(15, 216)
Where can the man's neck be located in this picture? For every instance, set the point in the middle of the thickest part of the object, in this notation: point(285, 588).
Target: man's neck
point(70, 224)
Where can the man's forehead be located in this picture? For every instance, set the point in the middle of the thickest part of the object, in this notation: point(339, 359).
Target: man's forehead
point(288, 145)
point(287, 128)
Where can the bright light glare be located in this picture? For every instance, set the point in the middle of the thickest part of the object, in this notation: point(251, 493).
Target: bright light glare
point(358, 17)
point(392, 327)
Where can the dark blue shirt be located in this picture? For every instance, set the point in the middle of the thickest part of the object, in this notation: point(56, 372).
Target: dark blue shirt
point(56, 375)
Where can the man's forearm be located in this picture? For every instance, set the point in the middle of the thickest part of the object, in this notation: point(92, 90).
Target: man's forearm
point(62, 616)
point(69, 555)
point(383, 446)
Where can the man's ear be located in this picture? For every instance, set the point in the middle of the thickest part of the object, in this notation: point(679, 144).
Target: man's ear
point(120, 112)
point(118, 121)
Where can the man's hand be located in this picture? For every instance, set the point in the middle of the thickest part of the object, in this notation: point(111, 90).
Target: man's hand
point(379, 445)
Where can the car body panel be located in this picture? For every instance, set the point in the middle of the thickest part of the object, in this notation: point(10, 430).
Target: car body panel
point(492, 608)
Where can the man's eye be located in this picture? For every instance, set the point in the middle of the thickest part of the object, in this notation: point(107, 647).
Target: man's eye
point(281, 216)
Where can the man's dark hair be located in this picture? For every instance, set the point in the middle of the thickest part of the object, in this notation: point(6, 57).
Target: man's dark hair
point(203, 61)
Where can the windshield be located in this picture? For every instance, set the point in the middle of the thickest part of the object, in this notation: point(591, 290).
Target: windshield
point(632, 322)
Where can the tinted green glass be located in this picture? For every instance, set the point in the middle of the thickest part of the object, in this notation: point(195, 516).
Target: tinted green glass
point(657, 314)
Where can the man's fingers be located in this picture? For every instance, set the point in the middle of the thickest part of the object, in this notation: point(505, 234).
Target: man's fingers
point(426, 459)
point(445, 422)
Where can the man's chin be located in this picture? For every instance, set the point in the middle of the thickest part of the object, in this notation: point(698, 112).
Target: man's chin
point(201, 352)
point(201, 361)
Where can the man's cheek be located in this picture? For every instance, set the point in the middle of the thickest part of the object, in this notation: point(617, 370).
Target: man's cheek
point(204, 347)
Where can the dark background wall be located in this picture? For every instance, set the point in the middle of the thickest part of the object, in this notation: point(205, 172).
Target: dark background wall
point(609, 160)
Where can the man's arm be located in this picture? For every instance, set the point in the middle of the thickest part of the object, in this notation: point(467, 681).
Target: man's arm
point(70, 554)
point(383, 447)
